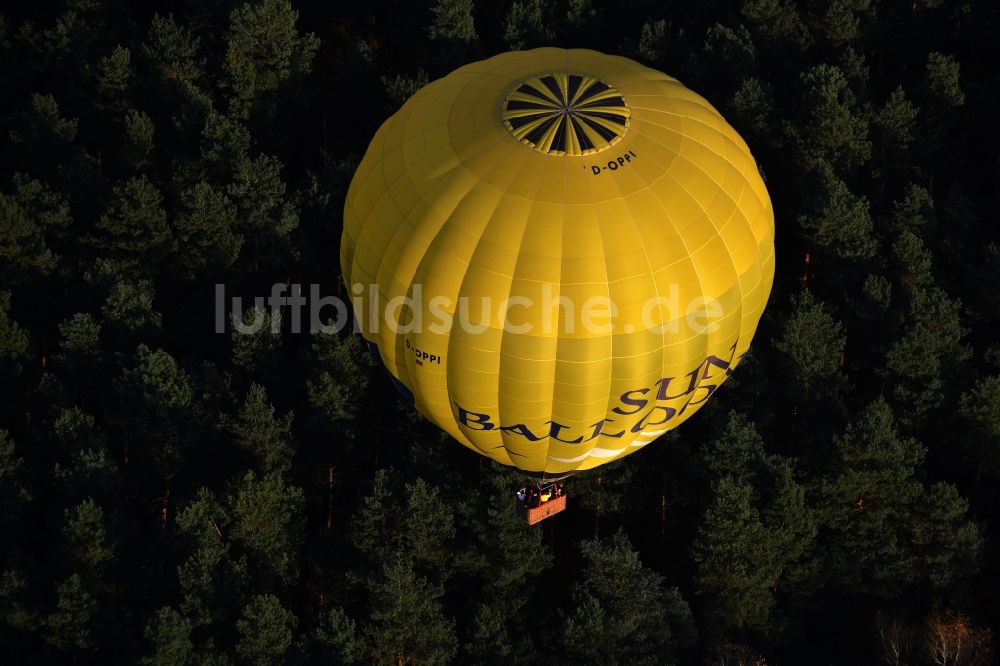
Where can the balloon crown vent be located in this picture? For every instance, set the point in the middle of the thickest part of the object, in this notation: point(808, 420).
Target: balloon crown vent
point(566, 114)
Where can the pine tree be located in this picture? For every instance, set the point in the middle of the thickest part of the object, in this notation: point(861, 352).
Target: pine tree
point(14, 499)
point(527, 25)
point(340, 379)
point(14, 494)
point(947, 544)
point(943, 79)
point(80, 357)
point(87, 539)
point(915, 211)
point(268, 523)
point(737, 452)
point(43, 126)
point(812, 342)
point(753, 109)
point(980, 409)
point(204, 229)
point(506, 558)
point(172, 50)
point(896, 120)
point(490, 641)
point(169, 635)
point(841, 23)
point(24, 254)
point(911, 261)
point(402, 87)
point(89, 471)
point(266, 437)
point(264, 49)
point(49, 210)
point(256, 341)
point(212, 580)
point(157, 415)
point(266, 631)
point(137, 144)
point(338, 636)
point(453, 21)
point(430, 527)
point(509, 552)
point(114, 72)
point(13, 340)
point(70, 627)
point(17, 610)
point(929, 355)
point(736, 563)
point(867, 504)
point(129, 313)
point(622, 612)
point(777, 21)
point(831, 128)
point(414, 524)
point(264, 216)
point(838, 221)
point(407, 621)
point(583, 18)
point(225, 144)
point(133, 232)
point(654, 41)
point(792, 529)
point(730, 52)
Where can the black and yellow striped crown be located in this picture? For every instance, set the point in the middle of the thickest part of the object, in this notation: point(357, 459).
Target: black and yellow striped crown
point(566, 114)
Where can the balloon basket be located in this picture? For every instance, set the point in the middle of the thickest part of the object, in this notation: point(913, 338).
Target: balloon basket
point(544, 510)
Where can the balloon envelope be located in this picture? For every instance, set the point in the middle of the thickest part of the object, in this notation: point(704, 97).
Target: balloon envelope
point(558, 255)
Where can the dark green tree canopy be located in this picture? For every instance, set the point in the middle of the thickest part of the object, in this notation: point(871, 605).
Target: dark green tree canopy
point(189, 479)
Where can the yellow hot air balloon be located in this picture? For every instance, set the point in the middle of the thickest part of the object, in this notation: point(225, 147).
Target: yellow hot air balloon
point(559, 255)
